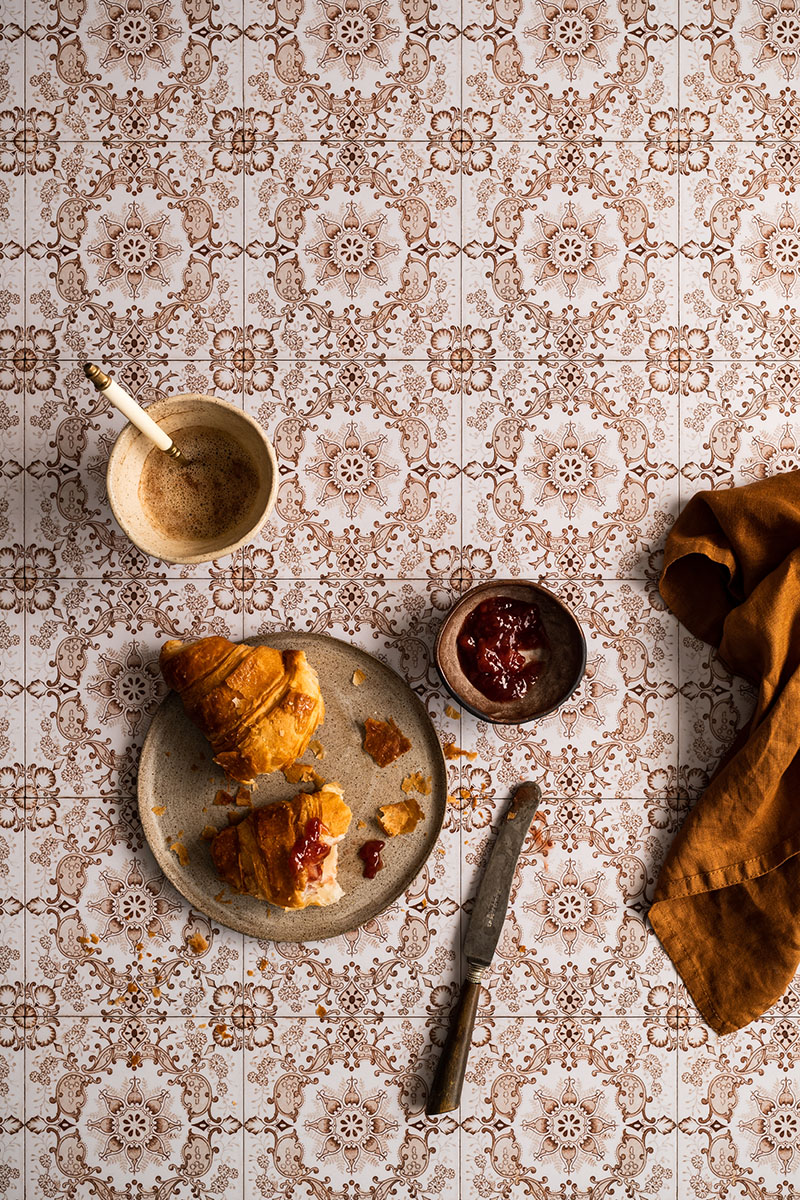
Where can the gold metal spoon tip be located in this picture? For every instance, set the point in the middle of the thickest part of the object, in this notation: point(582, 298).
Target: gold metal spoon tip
point(97, 377)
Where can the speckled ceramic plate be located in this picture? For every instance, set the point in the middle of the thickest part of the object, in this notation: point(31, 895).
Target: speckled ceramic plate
point(176, 772)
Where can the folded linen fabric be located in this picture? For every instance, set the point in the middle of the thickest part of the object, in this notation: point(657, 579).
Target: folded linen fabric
point(727, 903)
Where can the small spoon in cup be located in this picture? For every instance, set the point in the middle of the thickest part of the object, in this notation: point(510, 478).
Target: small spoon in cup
point(137, 416)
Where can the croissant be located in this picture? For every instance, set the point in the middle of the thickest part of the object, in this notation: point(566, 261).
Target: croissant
point(286, 852)
point(257, 706)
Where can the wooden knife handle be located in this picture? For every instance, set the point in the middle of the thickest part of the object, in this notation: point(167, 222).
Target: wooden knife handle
point(445, 1091)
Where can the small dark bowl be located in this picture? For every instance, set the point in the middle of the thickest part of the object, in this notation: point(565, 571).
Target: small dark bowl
point(564, 665)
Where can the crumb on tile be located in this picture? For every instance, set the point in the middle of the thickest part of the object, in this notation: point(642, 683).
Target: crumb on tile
point(452, 712)
point(451, 750)
point(197, 943)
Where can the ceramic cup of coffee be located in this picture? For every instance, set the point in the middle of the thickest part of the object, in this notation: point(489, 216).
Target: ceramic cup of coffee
point(206, 504)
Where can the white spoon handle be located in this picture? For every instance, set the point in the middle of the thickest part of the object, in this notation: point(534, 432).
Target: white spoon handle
point(126, 404)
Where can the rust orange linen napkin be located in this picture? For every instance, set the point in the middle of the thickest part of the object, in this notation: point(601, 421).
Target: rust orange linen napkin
point(727, 903)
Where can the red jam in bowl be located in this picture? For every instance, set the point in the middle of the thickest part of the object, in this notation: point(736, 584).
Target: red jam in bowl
point(309, 851)
point(501, 647)
point(370, 855)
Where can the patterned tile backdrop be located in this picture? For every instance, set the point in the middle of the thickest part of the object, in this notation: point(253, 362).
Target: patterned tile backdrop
point(506, 281)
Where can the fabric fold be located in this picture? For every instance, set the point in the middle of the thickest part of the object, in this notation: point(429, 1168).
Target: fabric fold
point(727, 903)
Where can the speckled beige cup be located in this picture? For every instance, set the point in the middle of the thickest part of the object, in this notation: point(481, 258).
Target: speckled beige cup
point(127, 460)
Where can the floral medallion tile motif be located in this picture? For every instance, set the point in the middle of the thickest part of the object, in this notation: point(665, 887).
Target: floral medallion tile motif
point(714, 706)
point(12, 59)
point(354, 69)
point(570, 249)
point(582, 1107)
point(338, 1110)
point(576, 941)
point(13, 298)
point(740, 251)
point(120, 1106)
point(354, 250)
point(572, 69)
point(615, 734)
point(741, 428)
point(12, 1125)
point(138, 70)
point(370, 452)
point(740, 64)
point(107, 932)
point(570, 469)
point(740, 1111)
point(135, 249)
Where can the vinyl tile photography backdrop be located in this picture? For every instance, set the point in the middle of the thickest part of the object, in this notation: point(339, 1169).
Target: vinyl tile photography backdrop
point(506, 284)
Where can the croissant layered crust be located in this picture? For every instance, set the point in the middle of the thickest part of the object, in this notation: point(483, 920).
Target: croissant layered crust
point(258, 707)
point(260, 855)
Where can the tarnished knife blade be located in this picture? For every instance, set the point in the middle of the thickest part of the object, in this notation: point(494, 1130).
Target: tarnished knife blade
point(491, 902)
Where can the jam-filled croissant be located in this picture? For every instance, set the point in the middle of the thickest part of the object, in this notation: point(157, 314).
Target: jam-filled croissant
point(257, 706)
point(286, 852)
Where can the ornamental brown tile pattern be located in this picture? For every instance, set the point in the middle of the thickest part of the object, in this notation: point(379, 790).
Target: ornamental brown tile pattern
point(505, 284)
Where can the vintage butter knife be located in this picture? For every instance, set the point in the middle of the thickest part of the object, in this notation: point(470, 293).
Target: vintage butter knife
point(483, 934)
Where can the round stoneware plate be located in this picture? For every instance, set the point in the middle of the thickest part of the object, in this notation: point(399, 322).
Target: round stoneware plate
point(176, 772)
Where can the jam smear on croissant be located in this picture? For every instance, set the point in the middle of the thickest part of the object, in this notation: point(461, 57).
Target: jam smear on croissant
point(308, 851)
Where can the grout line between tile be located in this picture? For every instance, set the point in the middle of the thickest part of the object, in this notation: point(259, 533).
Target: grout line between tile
point(460, 958)
point(24, 755)
point(242, 400)
point(376, 1019)
point(680, 471)
point(333, 577)
point(547, 142)
point(333, 361)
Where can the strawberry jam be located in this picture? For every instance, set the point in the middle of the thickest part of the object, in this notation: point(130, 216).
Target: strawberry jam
point(501, 647)
point(370, 855)
point(309, 851)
